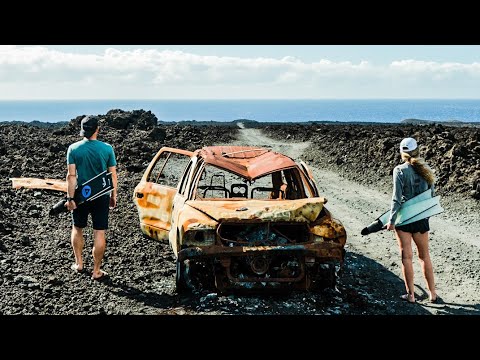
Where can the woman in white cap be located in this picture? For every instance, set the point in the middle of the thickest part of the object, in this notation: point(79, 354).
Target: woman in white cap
point(410, 179)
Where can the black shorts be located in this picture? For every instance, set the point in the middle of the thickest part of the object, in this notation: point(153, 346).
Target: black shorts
point(99, 209)
point(421, 226)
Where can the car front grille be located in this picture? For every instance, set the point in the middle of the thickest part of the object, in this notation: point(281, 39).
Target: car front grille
point(263, 234)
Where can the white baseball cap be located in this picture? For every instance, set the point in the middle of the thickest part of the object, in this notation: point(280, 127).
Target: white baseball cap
point(408, 144)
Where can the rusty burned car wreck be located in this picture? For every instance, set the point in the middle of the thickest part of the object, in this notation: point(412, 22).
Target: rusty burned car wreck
point(240, 218)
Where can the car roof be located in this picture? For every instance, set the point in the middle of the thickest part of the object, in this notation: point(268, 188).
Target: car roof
point(246, 161)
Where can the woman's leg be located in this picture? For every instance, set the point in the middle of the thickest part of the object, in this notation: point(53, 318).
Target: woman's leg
point(421, 240)
point(404, 240)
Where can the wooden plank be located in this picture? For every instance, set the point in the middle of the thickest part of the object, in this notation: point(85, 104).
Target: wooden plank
point(34, 183)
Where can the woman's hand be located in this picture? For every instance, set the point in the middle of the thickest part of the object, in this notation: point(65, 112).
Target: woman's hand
point(390, 227)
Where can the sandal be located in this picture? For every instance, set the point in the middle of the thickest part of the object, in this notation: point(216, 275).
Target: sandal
point(76, 268)
point(407, 297)
point(103, 275)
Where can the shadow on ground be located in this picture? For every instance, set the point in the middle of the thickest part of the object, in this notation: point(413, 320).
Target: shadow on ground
point(366, 279)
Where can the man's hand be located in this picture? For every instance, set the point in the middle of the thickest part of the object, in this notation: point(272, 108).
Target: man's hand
point(113, 202)
point(71, 205)
point(390, 227)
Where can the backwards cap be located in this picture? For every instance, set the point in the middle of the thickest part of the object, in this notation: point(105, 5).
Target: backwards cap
point(408, 144)
point(89, 125)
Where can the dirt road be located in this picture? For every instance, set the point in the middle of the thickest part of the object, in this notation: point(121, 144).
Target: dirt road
point(374, 260)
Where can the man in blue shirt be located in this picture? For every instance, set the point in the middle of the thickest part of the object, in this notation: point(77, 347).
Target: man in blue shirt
point(86, 159)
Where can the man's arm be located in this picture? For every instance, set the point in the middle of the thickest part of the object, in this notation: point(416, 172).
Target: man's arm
point(71, 185)
point(113, 195)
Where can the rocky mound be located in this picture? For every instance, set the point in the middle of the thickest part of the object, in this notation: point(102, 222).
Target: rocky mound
point(30, 151)
point(368, 153)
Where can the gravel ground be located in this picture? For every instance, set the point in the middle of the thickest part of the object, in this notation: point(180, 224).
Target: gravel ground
point(35, 252)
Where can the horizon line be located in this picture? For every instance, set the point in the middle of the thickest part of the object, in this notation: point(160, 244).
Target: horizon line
point(235, 99)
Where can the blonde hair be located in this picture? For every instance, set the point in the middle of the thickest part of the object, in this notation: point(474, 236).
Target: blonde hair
point(419, 165)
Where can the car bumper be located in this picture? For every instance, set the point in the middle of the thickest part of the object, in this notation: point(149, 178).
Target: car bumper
point(308, 259)
point(321, 251)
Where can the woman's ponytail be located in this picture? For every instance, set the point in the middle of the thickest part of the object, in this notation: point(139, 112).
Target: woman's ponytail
point(419, 165)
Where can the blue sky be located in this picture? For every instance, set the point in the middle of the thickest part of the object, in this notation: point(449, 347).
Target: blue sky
point(239, 71)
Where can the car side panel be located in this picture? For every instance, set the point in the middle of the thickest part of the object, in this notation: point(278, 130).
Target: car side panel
point(155, 201)
point(155, 209)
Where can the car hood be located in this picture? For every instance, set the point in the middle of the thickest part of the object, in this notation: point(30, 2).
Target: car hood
point(301, 210)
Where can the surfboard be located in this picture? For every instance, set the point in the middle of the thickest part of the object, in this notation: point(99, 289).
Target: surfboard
point(435, 210)
point(412, 210)
point(406, 211)
point(417, 208)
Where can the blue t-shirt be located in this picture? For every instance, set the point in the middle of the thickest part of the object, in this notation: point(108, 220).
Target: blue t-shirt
point(91, 158)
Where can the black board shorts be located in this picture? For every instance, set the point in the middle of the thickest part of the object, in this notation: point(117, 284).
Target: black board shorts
point(421, 226)
point(99, 209)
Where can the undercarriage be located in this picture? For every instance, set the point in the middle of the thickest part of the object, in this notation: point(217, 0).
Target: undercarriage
point(300, 267)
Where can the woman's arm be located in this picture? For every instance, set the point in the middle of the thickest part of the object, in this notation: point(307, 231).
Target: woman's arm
point(396, 195)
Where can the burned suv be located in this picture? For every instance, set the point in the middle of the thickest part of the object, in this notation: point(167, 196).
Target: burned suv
point(240, 218)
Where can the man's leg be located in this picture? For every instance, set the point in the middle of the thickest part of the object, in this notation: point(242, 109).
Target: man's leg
point(97, 252)
point(100, 225)
point(77, 245)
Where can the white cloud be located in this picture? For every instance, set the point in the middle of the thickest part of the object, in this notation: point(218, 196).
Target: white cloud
point(26, 70)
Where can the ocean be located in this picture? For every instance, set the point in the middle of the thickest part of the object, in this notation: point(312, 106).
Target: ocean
point(386, 111)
